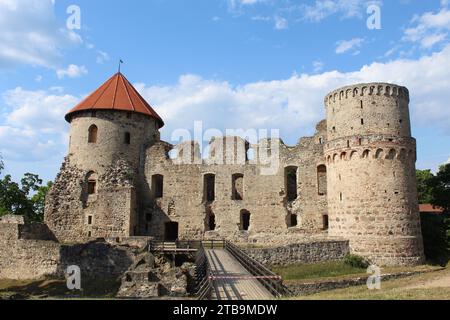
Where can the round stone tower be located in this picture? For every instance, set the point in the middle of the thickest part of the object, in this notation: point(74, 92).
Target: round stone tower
point(97, 192)
point(372, 192)
point(113, 123)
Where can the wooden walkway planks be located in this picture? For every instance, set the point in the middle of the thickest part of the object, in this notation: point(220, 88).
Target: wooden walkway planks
point(243, 287)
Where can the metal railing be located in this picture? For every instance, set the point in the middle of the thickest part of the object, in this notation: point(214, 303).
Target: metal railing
point(204, 274)
point(270, 280)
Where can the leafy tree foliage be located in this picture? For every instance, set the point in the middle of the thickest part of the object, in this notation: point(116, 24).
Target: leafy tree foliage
point(424, 189)
point(435, 189)
point(441, 188)
point(27, 199)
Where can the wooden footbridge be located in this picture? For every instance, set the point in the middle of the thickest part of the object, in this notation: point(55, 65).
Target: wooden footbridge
point(225, 272)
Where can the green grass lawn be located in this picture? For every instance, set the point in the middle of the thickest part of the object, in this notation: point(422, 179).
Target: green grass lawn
point(329, 269)
point(428, 286)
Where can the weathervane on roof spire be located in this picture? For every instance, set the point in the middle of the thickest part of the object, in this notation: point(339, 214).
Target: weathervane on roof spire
point(120, 63)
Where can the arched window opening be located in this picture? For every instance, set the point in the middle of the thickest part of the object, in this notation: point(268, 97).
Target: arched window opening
point(379, 154)
point(93, 132)
point(366, 154)
point(292, 220)
point(210, 220)
point(325, 222)
point(245, 220)
point(290, 174)
point(127, 138)
point(209, 187)
point(158, 186)
point(322, 180)
point(392, 154)
point(91, 179)
point(238, 186)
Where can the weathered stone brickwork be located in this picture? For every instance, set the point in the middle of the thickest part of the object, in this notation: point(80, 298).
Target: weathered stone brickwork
point(301, 253)
point(372, 198)
point(353, 180)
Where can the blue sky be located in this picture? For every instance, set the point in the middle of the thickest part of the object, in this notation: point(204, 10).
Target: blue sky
point(230, 63)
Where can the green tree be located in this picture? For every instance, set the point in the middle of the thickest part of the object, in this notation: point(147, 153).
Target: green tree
point(441, 188)
point(424, 185)
point(39, 201)
point(27, 199)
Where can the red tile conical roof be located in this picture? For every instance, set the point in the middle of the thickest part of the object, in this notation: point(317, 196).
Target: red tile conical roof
point(116, 94)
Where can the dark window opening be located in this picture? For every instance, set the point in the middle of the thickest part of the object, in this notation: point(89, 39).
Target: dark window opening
point(171, 231)
point(340, 196)
point(360, 141)
point(89, 220)
point(210, 221)
point(290, 174)
point(127, 138)
point(238, 187)
point(89, 234)
point(158, 185)
point(91, 183)
point(245, 220)
point(209, 187)
point(322, 180)
point(93, 132)
point(348, 143)
point(92, 186)
point(325, 222)
point(293, 220)
point(361, 104)
point(362, 121)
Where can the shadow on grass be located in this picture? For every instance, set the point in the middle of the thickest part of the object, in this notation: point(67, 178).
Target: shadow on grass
point(57, 289)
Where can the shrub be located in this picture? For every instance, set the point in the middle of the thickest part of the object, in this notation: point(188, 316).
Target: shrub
point(356, 261)
point(436, 237)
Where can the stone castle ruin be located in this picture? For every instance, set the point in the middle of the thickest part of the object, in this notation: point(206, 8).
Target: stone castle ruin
point(353, 180)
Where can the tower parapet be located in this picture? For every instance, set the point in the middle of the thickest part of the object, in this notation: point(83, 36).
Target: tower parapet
point(372, 193)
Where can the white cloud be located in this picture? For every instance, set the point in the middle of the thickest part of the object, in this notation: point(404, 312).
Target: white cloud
point(322, 9)
point(72, 71)
point(429, 28)
point(30, 34)
point(344, 46)
point(318, 66)
point(295, 104)
point(33, 126)
point(102, 57)
point(280, 23)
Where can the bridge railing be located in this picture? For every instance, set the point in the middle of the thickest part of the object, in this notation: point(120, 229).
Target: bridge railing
point(270, 280)
point(204, 275)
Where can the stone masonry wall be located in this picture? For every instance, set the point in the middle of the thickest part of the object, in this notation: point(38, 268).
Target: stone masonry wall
point(264, 196)
point(371, 157)
point(301, 253)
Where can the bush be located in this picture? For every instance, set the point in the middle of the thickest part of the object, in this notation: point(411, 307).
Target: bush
point(436, 237)
point(356, 261)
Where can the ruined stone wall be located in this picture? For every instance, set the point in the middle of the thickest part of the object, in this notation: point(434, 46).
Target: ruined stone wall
point(28, 259)
point(301, 253)
point(264, 195)
point(372, 193)
point(75, 216)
